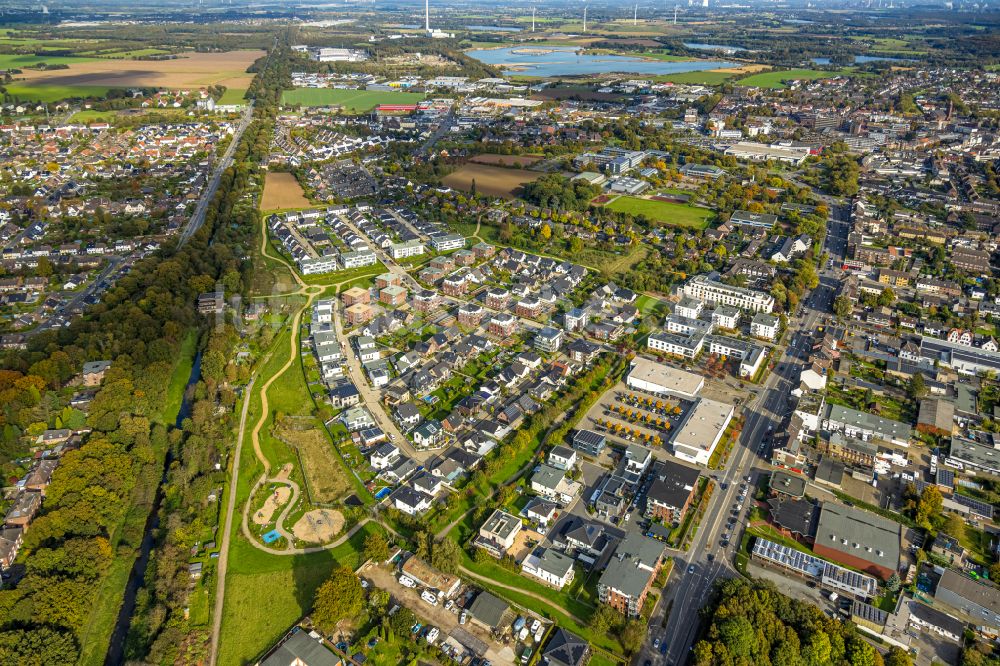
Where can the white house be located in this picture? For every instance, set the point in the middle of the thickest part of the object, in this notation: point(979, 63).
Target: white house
point(764, 326)
point(562, 457)
point(813, 377)
point(550, 566)
point(410, 501)
point(552, 483)
point(384, 456)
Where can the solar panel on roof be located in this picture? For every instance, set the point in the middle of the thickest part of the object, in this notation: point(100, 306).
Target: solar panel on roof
point(976, 506)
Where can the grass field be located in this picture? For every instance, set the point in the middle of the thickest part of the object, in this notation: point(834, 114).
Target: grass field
point(19, 61)
point(92, 116)
point(707, 77)
point(48, 94)
point(266, 593)
point(233, 96)
point(353, 101)
point(491, 180)
point(506, 160)
point(282, 191)
point(678, 215)
point(776, 79)
point(326, 478)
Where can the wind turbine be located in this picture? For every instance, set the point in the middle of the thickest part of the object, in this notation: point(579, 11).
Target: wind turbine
point(532, 19)
point(635, 16)
point(585, 19)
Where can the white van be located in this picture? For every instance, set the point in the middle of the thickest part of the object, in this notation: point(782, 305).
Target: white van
point(429, 597)
point(406, 581)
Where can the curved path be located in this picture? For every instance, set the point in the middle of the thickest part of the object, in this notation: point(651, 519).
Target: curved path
point(521, 590)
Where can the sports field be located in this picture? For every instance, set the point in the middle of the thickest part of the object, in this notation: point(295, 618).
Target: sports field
point(678, 215)
point(775, 79)
point(353, 101)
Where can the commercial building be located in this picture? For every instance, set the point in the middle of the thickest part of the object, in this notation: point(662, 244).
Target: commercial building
point(702, 428)
point(761, 152)
point(858, 539)
point(719, 293)
point(976, 602)
point(809, 566)
point(661, 379)
point(744, 218)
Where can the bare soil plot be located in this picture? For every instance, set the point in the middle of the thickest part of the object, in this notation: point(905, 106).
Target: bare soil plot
point(326, 478)
point(276, 500)
point(282, 190)
point(491, 180)
point(506, 160)
point(194, 70)
point(319, 525)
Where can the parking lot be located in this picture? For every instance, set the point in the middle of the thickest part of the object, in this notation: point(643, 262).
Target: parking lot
point(627, 416)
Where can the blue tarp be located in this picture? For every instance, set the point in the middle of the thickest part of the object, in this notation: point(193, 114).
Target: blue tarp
point(271, 536)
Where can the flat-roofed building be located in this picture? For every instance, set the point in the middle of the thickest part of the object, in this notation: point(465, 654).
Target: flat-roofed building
point(701, 430)
point(661, 379)
point(498, 534)
point(719, 293)
point(976, 602)
point(762, 152)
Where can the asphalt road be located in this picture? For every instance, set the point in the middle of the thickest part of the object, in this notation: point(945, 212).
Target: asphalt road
point(198, 217)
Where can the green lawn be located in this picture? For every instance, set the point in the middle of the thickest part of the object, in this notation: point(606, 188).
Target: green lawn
point(776, 78)
point(353, 101)
point(92, 116)
point(233, 96)
point(266, 594)
point(706, 78)
point(49, 93)
point(679, 215)
point(650, 305)
point(21, 60)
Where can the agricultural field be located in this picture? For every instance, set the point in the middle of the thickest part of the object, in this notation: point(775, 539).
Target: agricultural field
point(94, 76)
point(776, 78)
point(282, 191)
point(666, 212)
point(491, 180)
point(352, 101)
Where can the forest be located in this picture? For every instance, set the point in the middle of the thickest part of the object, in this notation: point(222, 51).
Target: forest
point(753, 623)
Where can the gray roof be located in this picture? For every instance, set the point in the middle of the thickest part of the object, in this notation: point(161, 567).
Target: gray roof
point(979, 455)
point(501, 523)
point(300, 648)
point(548, 476)
point(885, 428)
point(565, 649)
point(554, 562)
point(789, 484)
point(488, 609)
point(859, 533)
point(631, 568)
point(981, 594)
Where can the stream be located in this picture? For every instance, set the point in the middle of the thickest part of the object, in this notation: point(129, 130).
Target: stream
point(136, 577)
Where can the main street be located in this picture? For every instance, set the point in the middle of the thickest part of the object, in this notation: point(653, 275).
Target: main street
point(198, 217)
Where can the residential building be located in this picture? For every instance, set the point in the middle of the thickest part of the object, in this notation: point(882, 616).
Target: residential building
point(975, 601)
point(671, 492)
point(549, 566)
point(719, 293)
point(629, 574)
point(764, 326)
point(589, 442)
point(548, 340)
point(499, 533)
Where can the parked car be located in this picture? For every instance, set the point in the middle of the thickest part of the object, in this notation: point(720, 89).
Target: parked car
point(429, 597)
point(463, 617)
point(406, 581)
point(432, 635)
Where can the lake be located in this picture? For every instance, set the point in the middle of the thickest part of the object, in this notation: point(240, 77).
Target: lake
point(861, 59)
point(564, 61)
point(493, 28)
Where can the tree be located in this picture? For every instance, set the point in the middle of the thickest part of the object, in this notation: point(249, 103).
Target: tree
point(446, 556)
point(918, 387)
point(954, 526)
point(402, 621)
point(897, 656)
point(929, 507)
point(633, 635)
point(842, 306)
point(341, 596)
point(886, 298)
point(604, 618)
point(546, 232)
point(893, 583)
point(376, 547)
point(378, 601)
